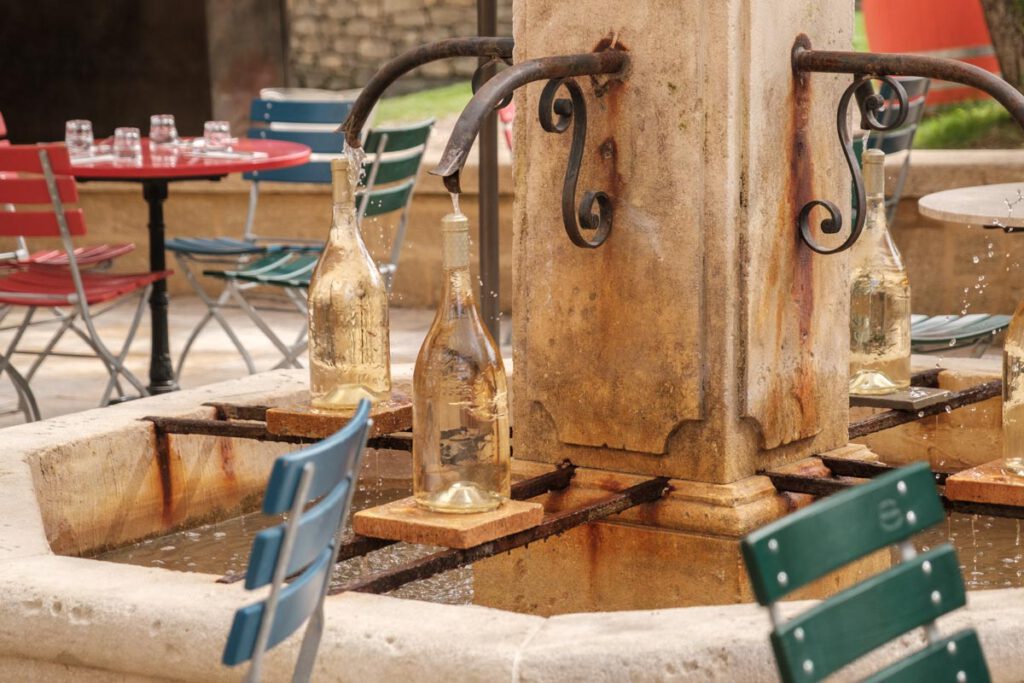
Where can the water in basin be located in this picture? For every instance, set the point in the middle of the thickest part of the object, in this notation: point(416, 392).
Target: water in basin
point(223, 547)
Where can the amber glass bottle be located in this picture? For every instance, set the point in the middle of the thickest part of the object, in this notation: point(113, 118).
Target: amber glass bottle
point(879, 297)
point(1013, 394)
point(349, 347)
point(461, 457)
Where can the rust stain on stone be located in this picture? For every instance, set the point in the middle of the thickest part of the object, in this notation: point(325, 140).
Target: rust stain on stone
point(226, 448)
point(163, 463)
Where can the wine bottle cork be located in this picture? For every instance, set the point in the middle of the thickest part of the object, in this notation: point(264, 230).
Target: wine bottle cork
point(874, 171)
point(341, 183)
point(455, 238)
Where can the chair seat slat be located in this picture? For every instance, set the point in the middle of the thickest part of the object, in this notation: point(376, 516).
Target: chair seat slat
point(795, 550)
point(317, 527)
point(859, 619)
point(22, 190)
point(957, 659)
point(297, 602)
point(39, 223)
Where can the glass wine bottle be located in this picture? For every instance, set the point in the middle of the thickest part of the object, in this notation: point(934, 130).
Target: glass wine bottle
point(1013, 394)
point(879, 296)
point(461, 455)
point(349, 346)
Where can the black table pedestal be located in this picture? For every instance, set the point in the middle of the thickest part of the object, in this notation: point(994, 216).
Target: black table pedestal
point(161, 370)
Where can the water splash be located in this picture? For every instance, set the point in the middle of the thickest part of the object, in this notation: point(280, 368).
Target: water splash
point(455, 203)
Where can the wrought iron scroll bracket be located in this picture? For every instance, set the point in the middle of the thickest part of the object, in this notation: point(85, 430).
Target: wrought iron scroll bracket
point(573, 111)
point(871, 106)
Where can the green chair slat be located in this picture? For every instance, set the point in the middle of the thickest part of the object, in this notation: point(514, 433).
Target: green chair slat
point(393, 170)
point(795, 550)
point(852, 623)
point(295, 273)
point(940, 663)
point(895, 141)
point(399, 137)
point(389, 199)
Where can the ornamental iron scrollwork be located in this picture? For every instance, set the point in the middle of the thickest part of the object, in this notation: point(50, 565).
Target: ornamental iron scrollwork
point(872, 105)
point(573, 111)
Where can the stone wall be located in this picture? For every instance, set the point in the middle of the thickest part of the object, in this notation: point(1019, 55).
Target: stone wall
point(339, 44)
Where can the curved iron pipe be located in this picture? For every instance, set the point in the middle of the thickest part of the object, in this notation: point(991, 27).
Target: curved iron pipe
point(894, 64)
point(494, 47)
point(499, 87)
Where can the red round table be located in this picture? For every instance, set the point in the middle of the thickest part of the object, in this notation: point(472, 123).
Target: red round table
point(155, 173)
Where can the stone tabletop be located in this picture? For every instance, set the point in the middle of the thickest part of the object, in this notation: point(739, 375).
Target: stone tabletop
point(1001, 205)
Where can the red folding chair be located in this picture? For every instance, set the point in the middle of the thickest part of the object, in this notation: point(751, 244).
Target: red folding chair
point(100, 255)
point(73, 295)
point(507, 115)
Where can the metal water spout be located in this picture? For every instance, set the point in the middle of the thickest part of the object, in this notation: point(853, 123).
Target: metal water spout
point(559, 72)
point(866, 67)
point(496, 48)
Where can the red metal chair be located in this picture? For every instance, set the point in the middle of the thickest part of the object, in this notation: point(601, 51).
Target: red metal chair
point(70, 292)
point(100, 255)
point(507, 115)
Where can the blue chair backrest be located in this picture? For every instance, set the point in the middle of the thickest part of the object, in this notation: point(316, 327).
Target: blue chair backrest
point(294, 119)
point(305, 545)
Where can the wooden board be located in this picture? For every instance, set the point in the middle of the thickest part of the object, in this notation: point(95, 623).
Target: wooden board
point(988, 483)
point(404, 520)
point(914, 398)
point(394, 415)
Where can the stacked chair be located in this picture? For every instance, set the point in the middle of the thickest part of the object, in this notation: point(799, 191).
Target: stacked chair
point(30, 175)
point(303, 549)
point(285, 263)
point(806, 545)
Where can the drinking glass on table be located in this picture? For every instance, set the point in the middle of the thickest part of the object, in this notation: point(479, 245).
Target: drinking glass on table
point(78, 137)
point(217, 135)
point(127, 145)
point(163, 133)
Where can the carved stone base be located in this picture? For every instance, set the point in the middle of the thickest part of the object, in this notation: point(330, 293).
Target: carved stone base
point(681, 551)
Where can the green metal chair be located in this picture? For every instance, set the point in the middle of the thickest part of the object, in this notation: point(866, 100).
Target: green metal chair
point(806, 545)
point(938, 333)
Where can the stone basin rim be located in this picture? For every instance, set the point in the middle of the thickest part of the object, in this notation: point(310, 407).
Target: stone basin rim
point(65, 618)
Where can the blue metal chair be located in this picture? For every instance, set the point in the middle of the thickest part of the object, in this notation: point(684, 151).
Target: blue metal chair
point(311, 123)
point(304, 547)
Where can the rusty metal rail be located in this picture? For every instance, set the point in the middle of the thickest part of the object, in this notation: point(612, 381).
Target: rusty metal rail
point(894, 418)
point(824, 486)
point(555, 480)
point(446, 560)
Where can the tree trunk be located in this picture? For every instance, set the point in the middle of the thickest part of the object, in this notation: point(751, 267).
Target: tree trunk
point(1005, 20)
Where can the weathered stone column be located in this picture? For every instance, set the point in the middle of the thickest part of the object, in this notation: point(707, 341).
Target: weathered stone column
point(703, 341)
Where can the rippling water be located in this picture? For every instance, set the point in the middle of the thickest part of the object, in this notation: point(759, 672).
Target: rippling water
point(223, 547)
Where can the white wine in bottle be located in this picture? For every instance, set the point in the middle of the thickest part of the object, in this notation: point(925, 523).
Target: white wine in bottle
point(461, 454)
point(349, 347)
point(1013, 394)
point(879, 296)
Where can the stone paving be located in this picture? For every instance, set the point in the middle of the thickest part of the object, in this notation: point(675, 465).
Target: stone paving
point(66, 385)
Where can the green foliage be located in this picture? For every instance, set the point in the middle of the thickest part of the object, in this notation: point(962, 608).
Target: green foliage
point(860, 36)
point(983, 123)
point(436, 102)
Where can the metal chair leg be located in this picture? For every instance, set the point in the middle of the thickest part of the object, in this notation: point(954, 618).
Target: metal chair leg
point(258, 321)
point(212, 311)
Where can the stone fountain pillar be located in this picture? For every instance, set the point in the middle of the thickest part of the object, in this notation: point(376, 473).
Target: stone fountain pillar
point(703, 341)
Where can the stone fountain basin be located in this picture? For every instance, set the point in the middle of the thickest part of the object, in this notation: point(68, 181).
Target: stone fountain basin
point(73, 485)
